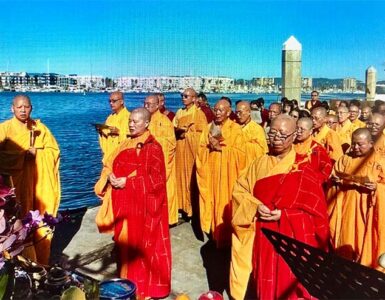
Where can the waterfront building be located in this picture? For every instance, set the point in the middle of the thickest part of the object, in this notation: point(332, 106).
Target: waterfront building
point(307, 83)
point(90, 82)
point(349, 85)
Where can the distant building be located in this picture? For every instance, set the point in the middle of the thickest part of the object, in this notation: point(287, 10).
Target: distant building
point(307, 83)
point(349, 85)
point(263, 82)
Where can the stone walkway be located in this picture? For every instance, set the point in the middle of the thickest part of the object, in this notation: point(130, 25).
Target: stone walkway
point(196, 265)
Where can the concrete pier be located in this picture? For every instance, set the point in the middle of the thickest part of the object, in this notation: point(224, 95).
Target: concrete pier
point(196, 265)
point(291, 69)
point(370, 83)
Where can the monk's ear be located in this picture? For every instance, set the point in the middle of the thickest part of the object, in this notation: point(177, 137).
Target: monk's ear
point(12, 110)
point(228, 112)
point(147, 123)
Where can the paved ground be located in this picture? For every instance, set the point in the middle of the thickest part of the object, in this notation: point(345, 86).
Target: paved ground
point(197, 265)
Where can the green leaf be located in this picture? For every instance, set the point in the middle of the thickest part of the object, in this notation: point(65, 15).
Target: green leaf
point(3, 284)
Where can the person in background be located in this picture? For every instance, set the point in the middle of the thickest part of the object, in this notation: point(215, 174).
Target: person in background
point(162, 107)
point(162, 129)
point(256, 144)
point(294, 102)
point(133, 184)
point(354, 113)
point(314, 101)
point(332, 121)
point(295, 113)
point(220, 159)
point(326, 105)
point(345, 128)
point(189, 123)
point(366, 111)
point(293, 204)
point(264, 111)
point(255, 112)
point(287, 106)
point(310, 152)
point(30, 154)
point(357, 202)
point(204, 105)
point(379, 107)
point(117, 125)
point(376, 125)
point(325, 136)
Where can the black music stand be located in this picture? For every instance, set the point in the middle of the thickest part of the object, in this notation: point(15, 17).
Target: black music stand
point(327, 276)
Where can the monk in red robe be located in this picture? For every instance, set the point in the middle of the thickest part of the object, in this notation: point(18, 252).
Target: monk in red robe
point(134, 181)
point(273, 193)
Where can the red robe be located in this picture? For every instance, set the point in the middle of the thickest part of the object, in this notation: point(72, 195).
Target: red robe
point(304, 217)
point(168, 113)
point(208, 113)
point(140, 211)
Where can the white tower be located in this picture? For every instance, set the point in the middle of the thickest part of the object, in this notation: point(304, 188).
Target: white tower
point(291, 69)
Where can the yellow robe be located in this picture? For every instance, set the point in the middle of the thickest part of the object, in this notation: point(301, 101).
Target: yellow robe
point(256, 144)
point(194, 120)
point(217, 172)
point(163, 130)
point(244, 213)
point(344, 132)
point(36, 181)
point(108, 142)
point(359, 124)
point(357, 216)
point(328, 138)
point(379, 145)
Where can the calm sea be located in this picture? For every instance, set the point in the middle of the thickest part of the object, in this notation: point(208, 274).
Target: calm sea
point(69, 117)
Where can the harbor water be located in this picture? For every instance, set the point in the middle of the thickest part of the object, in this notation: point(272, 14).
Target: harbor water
point(69, 117)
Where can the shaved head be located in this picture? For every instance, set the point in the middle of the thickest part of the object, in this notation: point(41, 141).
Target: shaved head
point(144, 113)
point(243, 112)
point(376, 124)
point(307, 122)
point(362, 142)
point(288, 122)
point(363, 132)
point(222, 111)
point(281, 135)
point(21, 97)
point(320, 111)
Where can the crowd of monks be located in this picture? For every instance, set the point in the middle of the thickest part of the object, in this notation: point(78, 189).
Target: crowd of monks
point(314, 174)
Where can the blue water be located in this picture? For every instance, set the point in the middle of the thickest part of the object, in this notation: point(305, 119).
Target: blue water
point(69, 117)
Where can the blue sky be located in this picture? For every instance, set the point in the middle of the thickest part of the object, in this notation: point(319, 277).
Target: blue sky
point(240, 39)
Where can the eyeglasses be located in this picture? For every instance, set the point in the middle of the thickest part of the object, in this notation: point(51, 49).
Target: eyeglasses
point(150, 104)
point(185, 96)
point(114, 100)
point(276, 134)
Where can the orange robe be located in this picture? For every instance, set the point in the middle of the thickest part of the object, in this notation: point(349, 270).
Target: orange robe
point(297, 193)
point(108, 142)
point(357, 216)
point(217, 172)
point(256, 144)
point(359, 124)
point(163, 130)
point(344, 132)
point(379, 145)
point(36, 181)
point(140, 224)
point(330, 140)
point(194, 121)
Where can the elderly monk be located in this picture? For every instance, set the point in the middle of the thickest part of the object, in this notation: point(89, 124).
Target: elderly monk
point(311, 152)
point(162, 129)
point(221, 157)
point(376, 125)
point(31, 155)
point(117, 122)
point(162, 107)
point(189, 123)
point(133, 185)
point(345, 127)
point(332, 121)
point(256, 144)
point(357, 207)
point(325, 136)
point(366, 111)
point(354, 113)
point(293, 204)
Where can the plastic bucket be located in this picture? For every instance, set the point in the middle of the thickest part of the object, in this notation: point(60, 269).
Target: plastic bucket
point(117, 288)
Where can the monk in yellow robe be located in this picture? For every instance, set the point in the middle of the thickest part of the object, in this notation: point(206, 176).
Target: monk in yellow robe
point(220, 159)
point(188, 123)
point(254, 134)
point(345, 127)
point(163, 130)
point(376, 124)
point(31, 155)
point(354, 112)
point(325, 136)
point(116, 130)
point(357, 202)
point(275, 193)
